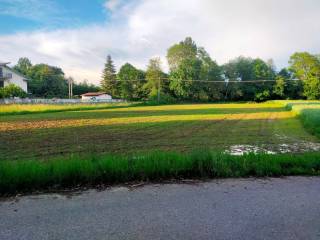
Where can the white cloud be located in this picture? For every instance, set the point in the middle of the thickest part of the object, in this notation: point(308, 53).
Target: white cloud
point(143, 29)
point(112, 5)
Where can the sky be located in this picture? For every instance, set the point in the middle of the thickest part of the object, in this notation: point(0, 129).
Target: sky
point(77, 35)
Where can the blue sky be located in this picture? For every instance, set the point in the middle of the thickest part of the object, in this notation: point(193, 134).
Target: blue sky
point(28, 15)
point(77, 35)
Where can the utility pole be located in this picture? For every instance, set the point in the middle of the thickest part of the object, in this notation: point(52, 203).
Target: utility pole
point(70, 86)
point(159, 85)
point(226, 82)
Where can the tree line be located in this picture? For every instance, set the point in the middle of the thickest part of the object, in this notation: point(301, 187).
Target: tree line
point(193, 76)
point(50, 81)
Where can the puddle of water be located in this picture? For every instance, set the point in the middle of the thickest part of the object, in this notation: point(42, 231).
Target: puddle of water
point(299, 147)
point(273, 149)
point(243, 149)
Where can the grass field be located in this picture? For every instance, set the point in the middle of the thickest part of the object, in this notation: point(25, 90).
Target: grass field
point(18, 109)
point(123, 129)
point(105, 144)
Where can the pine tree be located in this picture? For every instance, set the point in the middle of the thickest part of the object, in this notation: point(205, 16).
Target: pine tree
point(109, 82)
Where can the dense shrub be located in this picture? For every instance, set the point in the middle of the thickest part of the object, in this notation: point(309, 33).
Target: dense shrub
point(262, 96)
point(12, 90)
point(164, 99)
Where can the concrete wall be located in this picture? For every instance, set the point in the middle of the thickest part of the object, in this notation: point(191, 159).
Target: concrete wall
point(54, 101)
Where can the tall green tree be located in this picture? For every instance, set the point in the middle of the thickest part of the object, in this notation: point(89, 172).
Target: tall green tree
point(291, 89)
point(191, 70)
point(284, 72)
point(183, 80)
point(178, 53)
point(306, 67)
point(155, 79)
point(232, 90)
point(279, 87)
point(47, 81)
point(210, 71)
point(109, 81)
point(252, 70)
point(263, 71)
point(240, 69)
point(23, 66)
point(248, 69)
point(131, 81)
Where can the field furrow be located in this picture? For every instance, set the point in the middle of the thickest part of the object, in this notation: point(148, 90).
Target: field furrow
point(267, 127)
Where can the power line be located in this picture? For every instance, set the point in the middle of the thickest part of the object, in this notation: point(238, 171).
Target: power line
point(235, 81)
point(207, 81)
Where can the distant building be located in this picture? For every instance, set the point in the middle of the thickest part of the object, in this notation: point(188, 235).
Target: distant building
point(10, 76)
point(96, 96)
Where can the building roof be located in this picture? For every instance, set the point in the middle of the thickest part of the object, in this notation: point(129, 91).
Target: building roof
point(93, 94)
point(4, 64)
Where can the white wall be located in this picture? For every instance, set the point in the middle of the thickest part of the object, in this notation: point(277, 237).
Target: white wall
point(101, 97)
point(16, 79)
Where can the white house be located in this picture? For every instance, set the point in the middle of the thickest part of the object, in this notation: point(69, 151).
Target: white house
point(9, 76)
point(96, 96)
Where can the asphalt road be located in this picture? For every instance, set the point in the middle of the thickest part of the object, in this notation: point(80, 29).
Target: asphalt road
point(286, 208)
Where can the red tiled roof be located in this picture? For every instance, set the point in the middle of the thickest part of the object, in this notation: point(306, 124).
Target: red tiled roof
point(93, 94)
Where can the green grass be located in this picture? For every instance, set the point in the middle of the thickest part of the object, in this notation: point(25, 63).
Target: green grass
point(309, 113)
point(21, 109)
point(26, 176)
point(138, 129)
point(311, 120)
point(116, 144)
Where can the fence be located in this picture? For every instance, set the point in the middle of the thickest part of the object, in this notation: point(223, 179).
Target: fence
point(56, 101)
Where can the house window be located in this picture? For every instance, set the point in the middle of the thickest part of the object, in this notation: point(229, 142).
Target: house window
point(1, 78)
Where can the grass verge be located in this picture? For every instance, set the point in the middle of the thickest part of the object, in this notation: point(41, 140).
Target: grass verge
point(309, 114)
point(311, 120)
point(27, 176)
